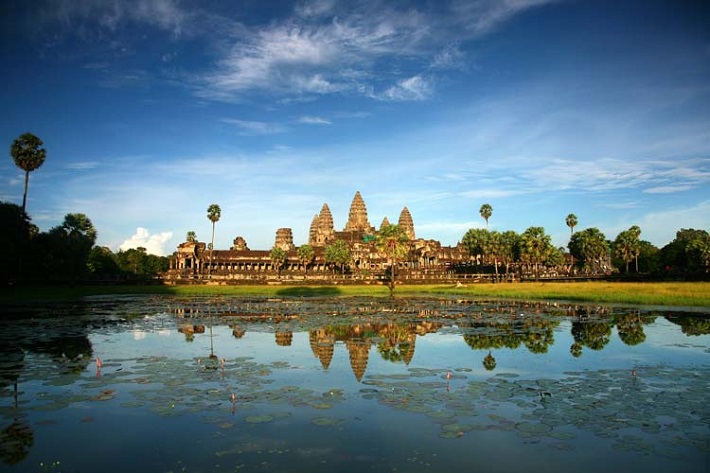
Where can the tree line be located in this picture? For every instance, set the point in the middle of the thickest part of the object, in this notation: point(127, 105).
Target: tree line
point(67, 252)
point(589, 250)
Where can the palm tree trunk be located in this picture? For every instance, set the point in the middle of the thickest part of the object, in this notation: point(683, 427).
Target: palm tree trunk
point(209, 269)
point(24, 196)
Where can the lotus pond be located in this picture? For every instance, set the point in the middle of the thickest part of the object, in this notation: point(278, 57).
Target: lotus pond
point(222, 384)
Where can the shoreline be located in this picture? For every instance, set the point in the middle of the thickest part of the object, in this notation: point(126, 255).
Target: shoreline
point(667, 294)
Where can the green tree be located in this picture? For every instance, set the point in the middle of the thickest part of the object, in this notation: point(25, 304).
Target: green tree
point(535, 247)
point(627, 246)
point(338, 254)
point(591, 247)
point(278, 258)
point(63, 252)
point(676, 257)
point(475, 240)
point(15, 239)
point(698, 251)
point(28, 153)
point(191, 237)
point(493, 248)
point(306, 254)
point(213, 215)
point(392, 240)
point(571, 222)
point(102, 263)
point(486, 211)
point(509, 247)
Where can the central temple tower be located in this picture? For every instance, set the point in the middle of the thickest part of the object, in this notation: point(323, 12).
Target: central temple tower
point(357, 218)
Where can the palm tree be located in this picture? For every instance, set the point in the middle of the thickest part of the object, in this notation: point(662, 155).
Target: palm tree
point(535, 247)
point(571, 221)
point(28, 154)
point(392, 240)
point(305, 254)
point(213, 215)
point(486, 211)
point(278, 258)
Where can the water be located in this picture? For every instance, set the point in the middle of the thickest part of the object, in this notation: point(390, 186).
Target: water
point(357, 384)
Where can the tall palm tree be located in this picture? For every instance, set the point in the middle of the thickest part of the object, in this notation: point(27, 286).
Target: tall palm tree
point(213, 215)
point(392, 240)
point(571, 221)
point(486, 211)
point(28, 154)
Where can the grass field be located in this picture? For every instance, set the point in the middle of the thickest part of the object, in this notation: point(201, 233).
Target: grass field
point(686, 294)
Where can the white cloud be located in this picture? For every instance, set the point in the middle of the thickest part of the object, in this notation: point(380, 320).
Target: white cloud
point(667, 189)
point(250, 127)
point(308, 120)
point(412, 88)
point(153, 244)
point(314, 8)
point(82, 165)
point(482, 16)
point(451, 57)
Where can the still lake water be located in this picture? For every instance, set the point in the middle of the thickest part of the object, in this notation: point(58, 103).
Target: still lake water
point(352, 385)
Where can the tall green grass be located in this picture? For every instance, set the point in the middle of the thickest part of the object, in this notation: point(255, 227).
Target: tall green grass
point(689, 294)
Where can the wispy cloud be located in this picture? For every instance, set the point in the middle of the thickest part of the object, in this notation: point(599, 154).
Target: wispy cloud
point(412, 88)
point(309, 120)
point(250, 127)
point(609, 174)
point(82, 165)
point(483, 16)
point(83, 15)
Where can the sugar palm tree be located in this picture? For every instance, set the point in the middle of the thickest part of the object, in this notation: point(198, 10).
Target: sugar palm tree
point(278, 258)
point(571, 222)
point(486, 211)
point(213, 215)
point(28, 154)
point(305, 254)
point(392, 240)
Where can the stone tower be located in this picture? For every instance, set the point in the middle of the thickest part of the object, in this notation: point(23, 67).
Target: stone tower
point(284, 239)
point(407, 224)
point(240, 244)
point(322, 229)
point(357, 218)
point(385, 223)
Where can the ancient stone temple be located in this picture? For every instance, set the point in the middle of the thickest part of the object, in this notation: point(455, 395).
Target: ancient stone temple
point(357, 218)
point(322, 230)
point(427, 259)
point(284, 239)
point(407, 223)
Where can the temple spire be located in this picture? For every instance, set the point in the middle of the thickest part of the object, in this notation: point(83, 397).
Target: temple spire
point(357, 218)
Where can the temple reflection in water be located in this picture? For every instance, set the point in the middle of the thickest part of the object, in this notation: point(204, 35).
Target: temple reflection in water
point(393, 327)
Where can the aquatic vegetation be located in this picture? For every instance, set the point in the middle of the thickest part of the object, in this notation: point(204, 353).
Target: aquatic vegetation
point(422, 375)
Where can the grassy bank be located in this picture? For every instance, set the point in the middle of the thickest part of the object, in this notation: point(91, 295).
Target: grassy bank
point(688, 294)
point(695, 294)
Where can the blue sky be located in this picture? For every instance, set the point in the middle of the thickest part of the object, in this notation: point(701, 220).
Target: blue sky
point(151, 110)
